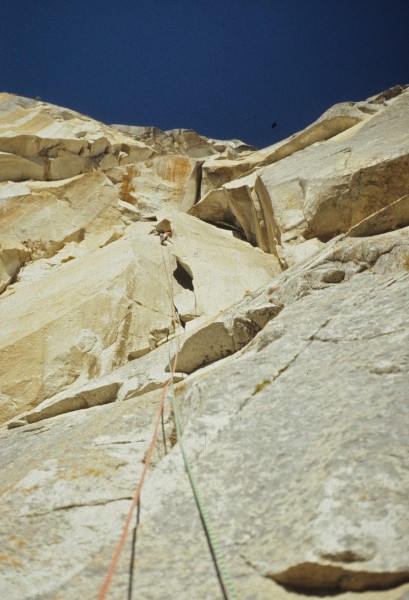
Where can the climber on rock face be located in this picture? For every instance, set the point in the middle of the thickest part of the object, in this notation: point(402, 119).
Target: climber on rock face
point(164, 230)
point(165, 237)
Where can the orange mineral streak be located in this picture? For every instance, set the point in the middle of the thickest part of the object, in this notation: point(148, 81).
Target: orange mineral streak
point(127, 189)
point(175, 168)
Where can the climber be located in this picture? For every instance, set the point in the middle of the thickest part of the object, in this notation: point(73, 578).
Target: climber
point(165, 236)
point(164, 230)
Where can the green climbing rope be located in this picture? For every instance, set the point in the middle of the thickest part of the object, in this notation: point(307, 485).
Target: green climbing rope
point(225, 580)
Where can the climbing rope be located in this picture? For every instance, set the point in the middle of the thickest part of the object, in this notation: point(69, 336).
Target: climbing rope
point(148, 458)
point(223, 576)
point(224, 579)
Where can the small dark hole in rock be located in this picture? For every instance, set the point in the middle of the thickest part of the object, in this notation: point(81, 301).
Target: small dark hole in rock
point(183, 277)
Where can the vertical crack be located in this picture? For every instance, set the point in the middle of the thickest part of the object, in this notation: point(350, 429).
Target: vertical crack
point(199, 167)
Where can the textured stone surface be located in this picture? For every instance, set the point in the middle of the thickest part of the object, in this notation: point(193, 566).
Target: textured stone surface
point(291, 382)
point(168, 178)
point(288, 439)
point(134, 379)
point(12, 258)
point(337, 119)
point(222, 267)
point(320, 189)
point(393, 216)
point(45, 217)
point(185, 141)
point(75, 323)
point(283, 437)
point(86, 314)
point(43, 141)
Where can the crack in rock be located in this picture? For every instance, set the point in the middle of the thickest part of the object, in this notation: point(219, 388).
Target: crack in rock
point(285, 367)
point(163, 314)
point(79, 505)
point(353, 339)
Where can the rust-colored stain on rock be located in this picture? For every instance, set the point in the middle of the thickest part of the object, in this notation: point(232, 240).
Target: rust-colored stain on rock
point(175, 168)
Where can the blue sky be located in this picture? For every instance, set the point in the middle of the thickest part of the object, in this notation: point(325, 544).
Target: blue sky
point(226, 68)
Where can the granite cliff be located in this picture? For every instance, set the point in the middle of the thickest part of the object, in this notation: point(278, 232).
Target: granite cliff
point(275, 282)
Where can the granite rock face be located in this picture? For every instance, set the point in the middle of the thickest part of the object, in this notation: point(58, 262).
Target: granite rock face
point(287, 314)
point(69, 320)
point(186, 142)
point(321, 189)
point(44, 142)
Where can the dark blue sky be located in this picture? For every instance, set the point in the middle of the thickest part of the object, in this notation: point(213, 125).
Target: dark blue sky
point(226, 68)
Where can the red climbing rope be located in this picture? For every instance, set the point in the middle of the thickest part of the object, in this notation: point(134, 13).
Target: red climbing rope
point(121, 543)
point(225, 581)
point(136, 497)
